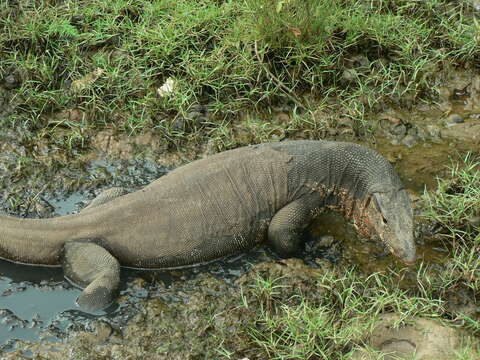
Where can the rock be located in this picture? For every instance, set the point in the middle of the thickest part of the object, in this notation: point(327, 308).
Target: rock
point(139, 283)
point(398, 130)
point(326, 241)
point(349, 75)
point(12, 81)
point(409, 140)
point(422, 339)
point(102, 331)
point(282, 118)
point(468, 131)
point(433, 131)
point(455, 119)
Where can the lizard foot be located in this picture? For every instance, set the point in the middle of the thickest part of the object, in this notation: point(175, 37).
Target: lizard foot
point(93, 268)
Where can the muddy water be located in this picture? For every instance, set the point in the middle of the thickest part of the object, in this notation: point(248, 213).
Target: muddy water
point(35, 298)
point(37, 302)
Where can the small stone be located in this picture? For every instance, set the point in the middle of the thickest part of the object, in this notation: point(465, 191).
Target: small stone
point(11, 82)
point(326, 241)
point(409, 140)
point(86, 81)
point(102, 331)
point(167, 88)
point(139, 283)
point(349, 75)
point(455, 119)
point(433, 131)
point(398, 130)
point(118, 54)
point(282, 118)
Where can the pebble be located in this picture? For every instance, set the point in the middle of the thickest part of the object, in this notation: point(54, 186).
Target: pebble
point(453, 119)
point(326, 241)
point(349, 75)
point(11, 82)
point(102, 331)
point(409, 140)
point(433, 131)
point(398, 130)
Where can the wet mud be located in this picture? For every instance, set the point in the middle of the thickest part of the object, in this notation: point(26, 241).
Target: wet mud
point(36, 303)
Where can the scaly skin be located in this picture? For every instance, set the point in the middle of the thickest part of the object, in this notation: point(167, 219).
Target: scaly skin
point(215, 207)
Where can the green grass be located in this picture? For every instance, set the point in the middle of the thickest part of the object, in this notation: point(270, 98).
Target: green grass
point(456, 199)
point(453, 206)
point(109, 58)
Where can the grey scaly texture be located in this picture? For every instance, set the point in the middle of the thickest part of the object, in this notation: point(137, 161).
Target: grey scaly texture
point(215, 207)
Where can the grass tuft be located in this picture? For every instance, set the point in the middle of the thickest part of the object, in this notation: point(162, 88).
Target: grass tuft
point(228, 55)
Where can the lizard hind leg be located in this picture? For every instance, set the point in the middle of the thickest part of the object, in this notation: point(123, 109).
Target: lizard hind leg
point(93, 268)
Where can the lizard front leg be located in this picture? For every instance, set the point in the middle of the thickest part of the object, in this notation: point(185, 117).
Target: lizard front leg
point(288, 224)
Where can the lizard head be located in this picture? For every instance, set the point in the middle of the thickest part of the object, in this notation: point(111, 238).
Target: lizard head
point(389, 215)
